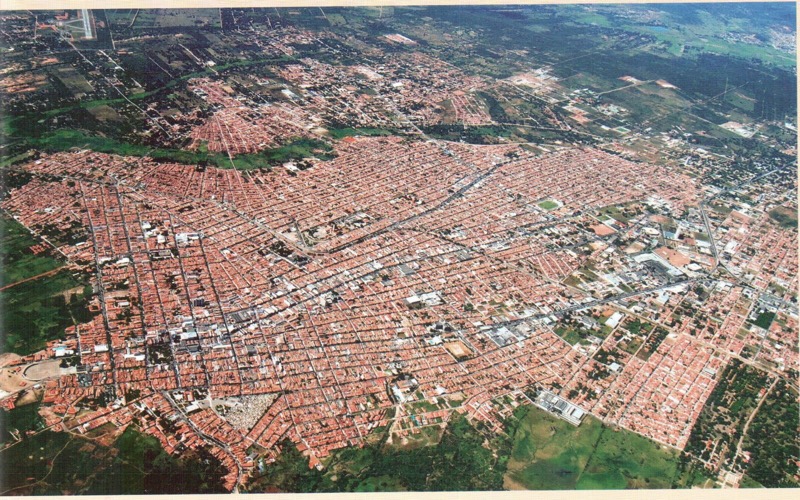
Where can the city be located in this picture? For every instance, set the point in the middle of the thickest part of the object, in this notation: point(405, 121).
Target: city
point(271, 231)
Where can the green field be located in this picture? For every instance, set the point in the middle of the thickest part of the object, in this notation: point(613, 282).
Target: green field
point(38, 310)
point(16, 262)
point(570, 335)
point(705, 32)
point(765, 319)
point(548, 204)
point(46, 464)
point(616, 213)
point(143, 467)
point(295, 150)
point(540, 453)
point(549, 453)
point(66, 139)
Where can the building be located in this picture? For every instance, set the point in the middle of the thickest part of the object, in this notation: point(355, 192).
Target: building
point(560, 407)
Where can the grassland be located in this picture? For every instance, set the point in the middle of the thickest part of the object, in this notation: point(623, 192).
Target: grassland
point(37, 310)
point(705, 33)
point(164, 18)
point(66, 139)
point(764, 320)
point(46, 464)
point(296, 150)
point(548, 453)
point(570, 335)
point(621, 214)
point(16, 261)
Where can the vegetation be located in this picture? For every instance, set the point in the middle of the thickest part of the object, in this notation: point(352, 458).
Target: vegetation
point(765, 319)
point(341, 133)
point(571, 335)
point(143, 467)
point(494, 134)
point(786, 218)
point(52, 463)
point(653, 341)
point(621, 214)
point(723, 419)
point(49, 463)
point(635, 326)
point(773, 439)
point(549, 453)
point(37, 310)
point(459, 462)
point(541, 452)
point(17, 261)
point(18, 421)
point(718, 79)
point(295, 150)
point(548, 204)
point(66, 139)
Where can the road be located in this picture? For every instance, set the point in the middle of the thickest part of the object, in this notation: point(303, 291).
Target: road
point(597, 302)
point(32, 278)
point(211, 439)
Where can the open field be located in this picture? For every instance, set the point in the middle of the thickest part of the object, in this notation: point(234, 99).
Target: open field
point(550, 453)
point(37, 311)
point(17, 261)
